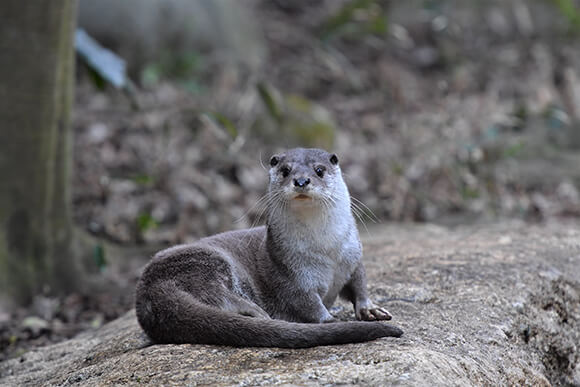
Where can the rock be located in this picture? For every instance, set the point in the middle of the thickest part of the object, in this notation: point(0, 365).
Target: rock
point(487, 305)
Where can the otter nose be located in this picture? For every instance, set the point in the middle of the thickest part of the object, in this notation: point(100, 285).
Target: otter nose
point(301, 182)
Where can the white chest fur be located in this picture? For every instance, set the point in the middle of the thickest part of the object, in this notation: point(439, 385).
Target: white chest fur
point(323, 251)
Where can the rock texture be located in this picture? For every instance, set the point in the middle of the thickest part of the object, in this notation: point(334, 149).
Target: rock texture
point(487, 305)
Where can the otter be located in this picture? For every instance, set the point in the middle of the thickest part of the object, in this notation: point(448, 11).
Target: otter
point(269, 286)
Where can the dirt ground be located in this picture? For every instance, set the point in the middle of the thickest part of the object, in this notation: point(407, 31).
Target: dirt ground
point(453, 114)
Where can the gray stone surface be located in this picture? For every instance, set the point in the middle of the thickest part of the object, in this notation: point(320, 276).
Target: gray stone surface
point(487, 305)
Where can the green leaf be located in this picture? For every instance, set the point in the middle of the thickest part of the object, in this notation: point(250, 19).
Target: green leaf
point(98, 81)
point(146, 222)
point(226, 123)
point(358, 18)
point(343, 17)
point(570, 12)
point(99, 256)
point(143, 179)
point(183, 67)
point(514, 150)
point(150, 75)
point(398, 169)
point(270, 102)
point(192, 86)
point(469, 193)
point(379, 25)
point(13, 339)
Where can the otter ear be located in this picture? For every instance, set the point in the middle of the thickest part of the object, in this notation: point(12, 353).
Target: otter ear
point(274, 161)
point(334, 159)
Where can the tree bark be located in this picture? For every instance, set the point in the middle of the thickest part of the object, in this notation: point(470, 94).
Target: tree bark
point(36, 91)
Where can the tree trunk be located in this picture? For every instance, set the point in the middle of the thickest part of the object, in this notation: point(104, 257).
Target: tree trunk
point(36, 91)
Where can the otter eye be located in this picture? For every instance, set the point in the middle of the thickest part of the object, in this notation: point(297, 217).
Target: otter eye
point(285, 171)
point(319, 171)
point(274, 161)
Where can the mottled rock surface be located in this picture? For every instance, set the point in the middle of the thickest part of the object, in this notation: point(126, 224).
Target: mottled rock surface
point(487, 305)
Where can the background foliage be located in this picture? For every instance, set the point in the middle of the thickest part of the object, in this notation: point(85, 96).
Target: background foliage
point(443, 111)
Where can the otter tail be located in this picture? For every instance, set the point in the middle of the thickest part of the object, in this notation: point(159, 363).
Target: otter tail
point(189, 321)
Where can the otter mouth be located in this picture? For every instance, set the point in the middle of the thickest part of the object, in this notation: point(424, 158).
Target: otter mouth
point(302, 197)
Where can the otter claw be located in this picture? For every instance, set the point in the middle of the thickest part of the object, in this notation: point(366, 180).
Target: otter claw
point(366, 315)
point(381, 314)
point(375, 314)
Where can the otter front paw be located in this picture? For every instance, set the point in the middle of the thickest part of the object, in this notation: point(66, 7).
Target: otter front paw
point(372, 314)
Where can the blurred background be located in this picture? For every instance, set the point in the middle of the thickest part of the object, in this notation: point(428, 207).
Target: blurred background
point(451, 112)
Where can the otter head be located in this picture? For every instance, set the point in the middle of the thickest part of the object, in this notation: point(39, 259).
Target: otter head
point(306, 177)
